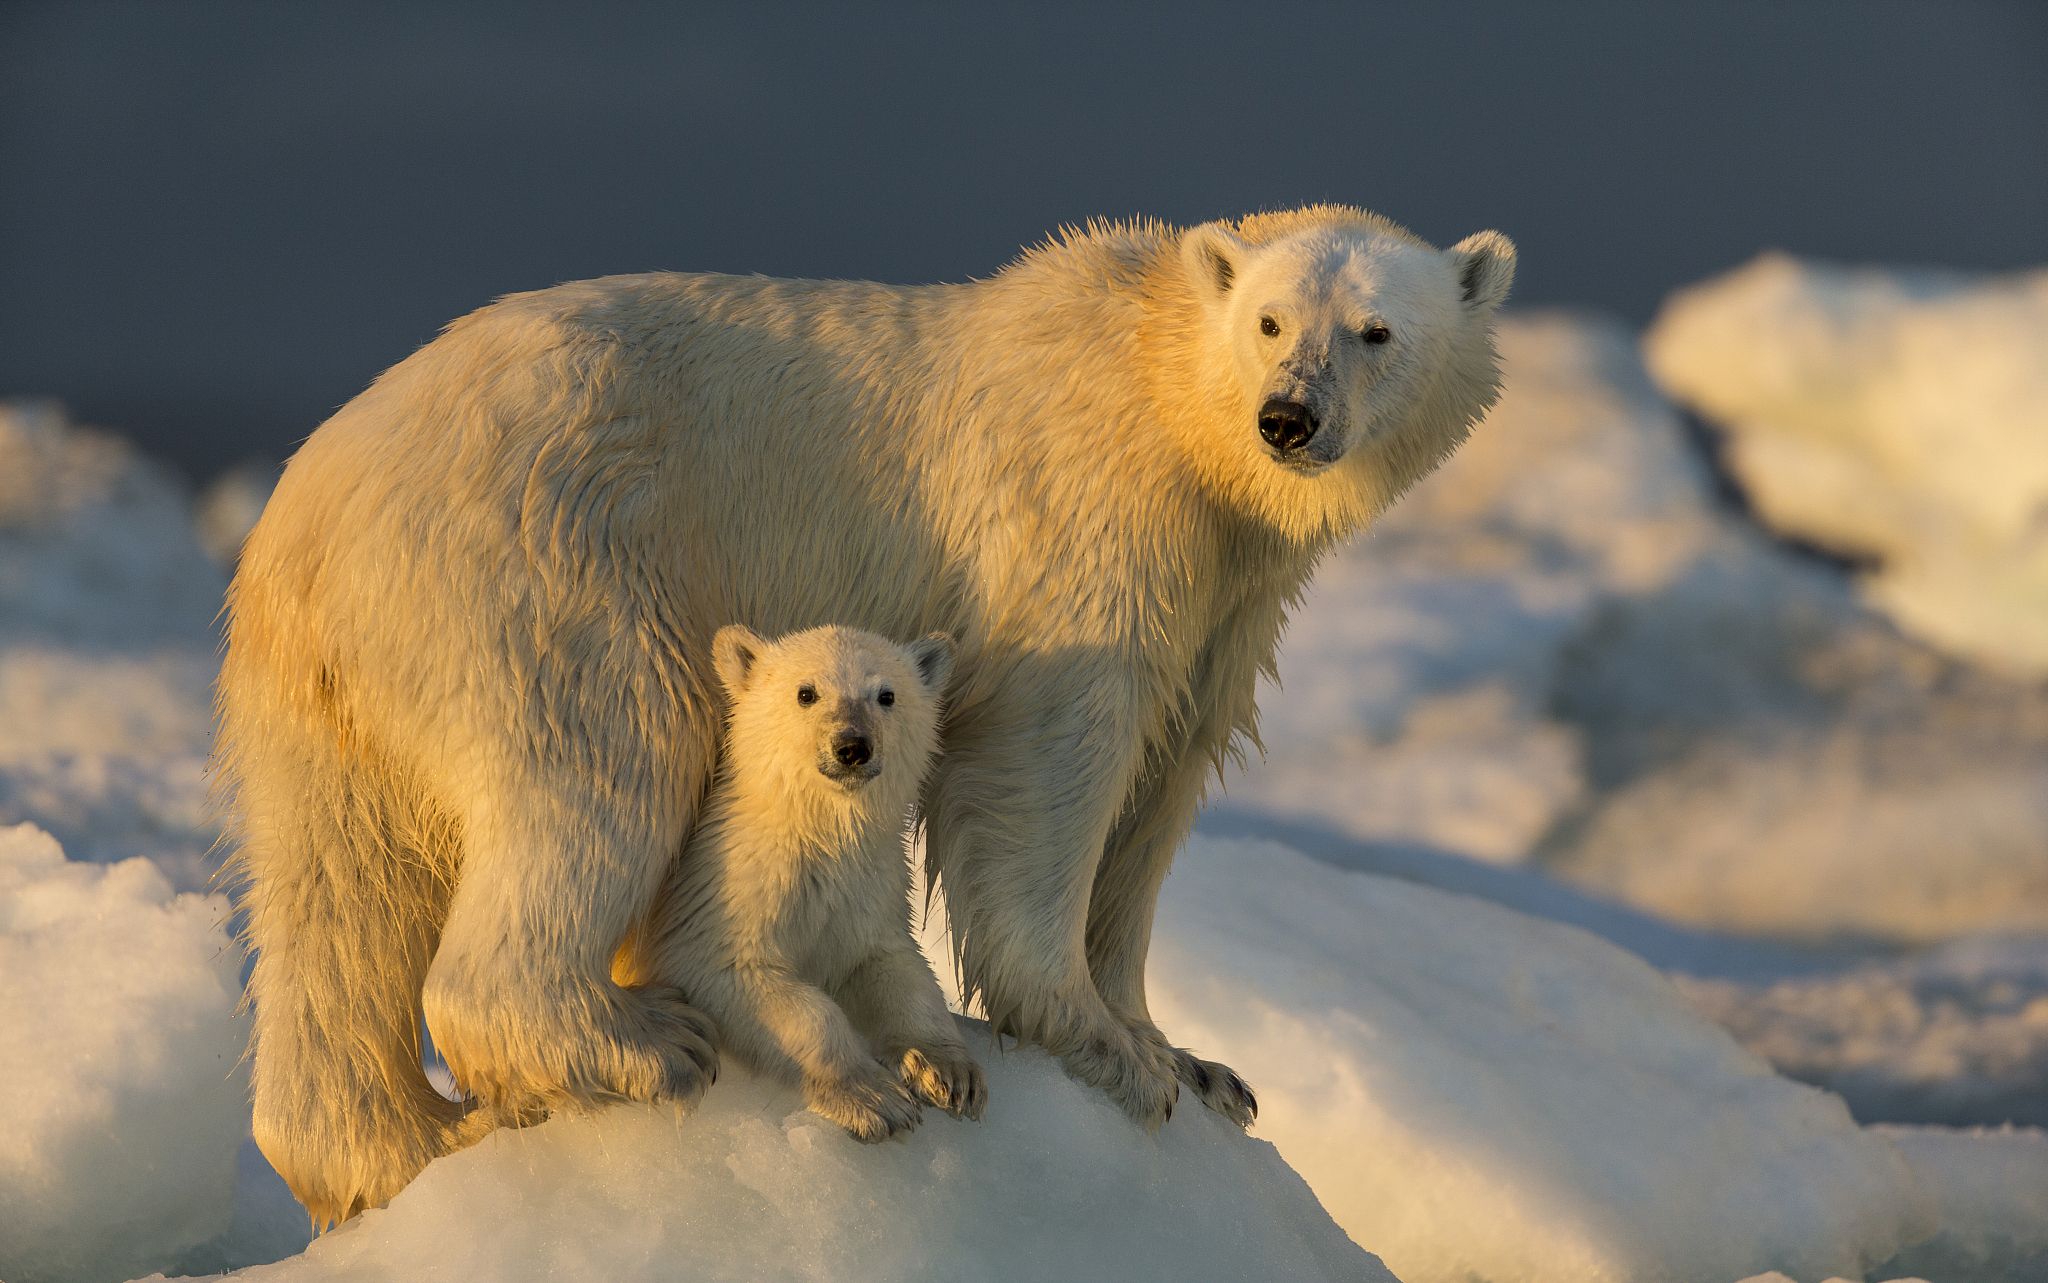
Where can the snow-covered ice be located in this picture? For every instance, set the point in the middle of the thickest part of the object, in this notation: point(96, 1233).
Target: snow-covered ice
point(1479, 1094)
point(124, 1105)
point(1896, 416)
point(1054, 1184)
point(1991, 1191)
point(107, 654)
point(98, 550)
point(1954, 1034)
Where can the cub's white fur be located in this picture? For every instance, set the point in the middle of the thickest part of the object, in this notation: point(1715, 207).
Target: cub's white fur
point(468, 714)
point(788, 918)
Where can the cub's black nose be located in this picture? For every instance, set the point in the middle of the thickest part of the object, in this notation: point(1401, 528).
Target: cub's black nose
point(851, 750)
point(1287, 425)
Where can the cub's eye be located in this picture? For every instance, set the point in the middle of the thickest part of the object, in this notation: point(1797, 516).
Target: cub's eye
point(1377, 334)
point(1268, 326)
point(885, 697)
point(806, 694)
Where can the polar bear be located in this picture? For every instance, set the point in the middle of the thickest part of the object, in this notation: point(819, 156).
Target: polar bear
point(468, 711)
point(789, 911)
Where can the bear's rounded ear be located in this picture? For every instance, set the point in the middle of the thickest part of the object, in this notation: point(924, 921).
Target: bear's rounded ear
point(734, 651)
point(1212, 253)
point(933, 654)
point(1486, 267)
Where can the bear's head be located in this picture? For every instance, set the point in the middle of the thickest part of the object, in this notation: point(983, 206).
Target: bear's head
point(1349, 357)
point(833, 708)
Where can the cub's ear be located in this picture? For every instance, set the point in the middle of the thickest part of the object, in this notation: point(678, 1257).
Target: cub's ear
point(1486, 267)
point(1212, 253)
point(734, 652)
point(933, 654)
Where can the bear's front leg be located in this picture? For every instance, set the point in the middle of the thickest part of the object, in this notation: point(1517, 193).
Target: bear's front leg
point(519, 997)
point(1126, 897)
point(1015, 830)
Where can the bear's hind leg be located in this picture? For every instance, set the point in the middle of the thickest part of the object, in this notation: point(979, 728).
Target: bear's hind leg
point(344, 887)
point(557, 867)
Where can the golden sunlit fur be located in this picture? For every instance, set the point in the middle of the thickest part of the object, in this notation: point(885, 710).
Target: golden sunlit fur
point(468, 713)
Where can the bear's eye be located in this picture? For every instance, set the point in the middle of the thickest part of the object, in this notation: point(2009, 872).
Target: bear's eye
point(885, 697)
point(1377, 334)
point(1268, 326)
point(806, 694)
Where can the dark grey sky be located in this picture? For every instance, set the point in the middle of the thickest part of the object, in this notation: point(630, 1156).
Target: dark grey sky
point(218, 221)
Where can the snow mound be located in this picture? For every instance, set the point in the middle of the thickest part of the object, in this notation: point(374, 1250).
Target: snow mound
point(1991, 1188)
point(124, 1105)
point(106, 648)
point(97, 545)
point(1477, 1094)
point(1896, 416)
point(1054, 1184)
point(1956, 1034)
point(1777, 1277)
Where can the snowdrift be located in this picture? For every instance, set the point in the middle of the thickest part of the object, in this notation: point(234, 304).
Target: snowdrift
point(1991, 1187)
point(1053, 1185)
point(124, 1105)
point(1896, 416)
point(1481, 1095)
point(106, 648)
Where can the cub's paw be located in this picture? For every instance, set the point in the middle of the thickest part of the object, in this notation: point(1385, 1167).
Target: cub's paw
point(1217, 1086)
point(1138, 1077)
point(871, 1107)
point(948, 1078)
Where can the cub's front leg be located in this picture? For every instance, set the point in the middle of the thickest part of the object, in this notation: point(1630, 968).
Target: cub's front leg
point(778, 1022)
point(894, 999)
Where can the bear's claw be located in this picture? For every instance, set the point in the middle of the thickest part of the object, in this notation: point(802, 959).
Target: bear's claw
point(1136, 1075)
point(687, 1042)
point(872, 1107)
point(1218, 1086)
point(947, 1078)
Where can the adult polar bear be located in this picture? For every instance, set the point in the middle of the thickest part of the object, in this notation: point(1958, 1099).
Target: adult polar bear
point(468, 710)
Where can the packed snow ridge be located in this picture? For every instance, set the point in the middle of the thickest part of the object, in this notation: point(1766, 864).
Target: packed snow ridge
point(1897, 417)
point(1054, 1185)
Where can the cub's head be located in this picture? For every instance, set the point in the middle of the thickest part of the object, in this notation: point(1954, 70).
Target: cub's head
point(833, 708)
point(1349, 357)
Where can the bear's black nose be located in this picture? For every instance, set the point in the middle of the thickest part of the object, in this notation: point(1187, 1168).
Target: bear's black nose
point(851, 749)
point(1287, 425)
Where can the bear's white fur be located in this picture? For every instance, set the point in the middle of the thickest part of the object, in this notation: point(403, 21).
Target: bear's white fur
point(787, 920)
point(468, 713)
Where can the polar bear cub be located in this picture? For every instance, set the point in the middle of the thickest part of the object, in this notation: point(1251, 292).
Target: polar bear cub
point(787, 920)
